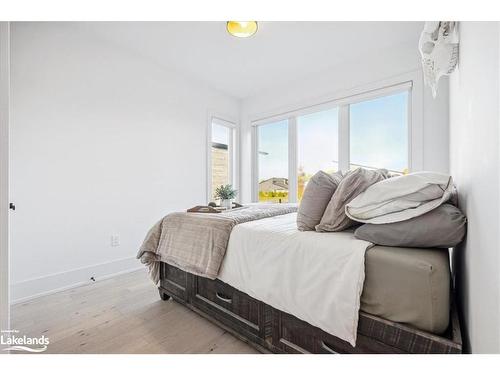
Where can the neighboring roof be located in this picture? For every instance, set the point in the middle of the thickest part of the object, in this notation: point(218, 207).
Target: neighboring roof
point(221, 146)
point(277, 183)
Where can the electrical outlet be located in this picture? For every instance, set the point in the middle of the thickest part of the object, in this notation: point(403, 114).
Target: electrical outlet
point(115, 240)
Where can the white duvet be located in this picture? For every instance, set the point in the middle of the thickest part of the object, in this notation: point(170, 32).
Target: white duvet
point(318, 277)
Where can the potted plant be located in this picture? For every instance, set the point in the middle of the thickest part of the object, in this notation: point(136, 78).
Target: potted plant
point(226, 194)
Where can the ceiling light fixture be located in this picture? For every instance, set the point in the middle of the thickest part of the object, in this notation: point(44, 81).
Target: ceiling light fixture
point(242, 29)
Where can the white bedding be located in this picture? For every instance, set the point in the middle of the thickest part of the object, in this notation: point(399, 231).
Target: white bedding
point(401, 198)
point(318, 277)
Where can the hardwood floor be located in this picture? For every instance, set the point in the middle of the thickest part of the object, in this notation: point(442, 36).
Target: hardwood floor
point(121, 315)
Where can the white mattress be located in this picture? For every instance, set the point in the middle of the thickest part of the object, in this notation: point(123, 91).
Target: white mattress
point(318, 277)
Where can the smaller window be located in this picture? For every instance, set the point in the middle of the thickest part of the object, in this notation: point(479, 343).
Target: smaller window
point(221, 155)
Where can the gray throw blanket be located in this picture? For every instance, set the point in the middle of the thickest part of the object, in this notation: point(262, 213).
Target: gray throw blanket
point(197, 242)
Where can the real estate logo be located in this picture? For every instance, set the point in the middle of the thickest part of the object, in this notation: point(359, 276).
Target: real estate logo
point(15, 342)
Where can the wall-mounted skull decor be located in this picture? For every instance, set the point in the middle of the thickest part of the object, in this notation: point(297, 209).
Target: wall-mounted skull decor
point(438, 45)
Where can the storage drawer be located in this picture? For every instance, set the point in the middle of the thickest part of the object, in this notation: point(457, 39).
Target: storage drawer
point(233, 305)
point(293, 335)
point(174, 281)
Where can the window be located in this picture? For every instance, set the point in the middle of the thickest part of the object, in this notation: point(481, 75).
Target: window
point(317, 141)
point(379, 133)
point(369, 130)
point(272, 154)
point(221, 154)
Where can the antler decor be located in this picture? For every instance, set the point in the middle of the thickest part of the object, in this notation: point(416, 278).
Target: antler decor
point(438, 46)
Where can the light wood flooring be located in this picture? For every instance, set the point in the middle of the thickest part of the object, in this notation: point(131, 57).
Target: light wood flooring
point(121, 315)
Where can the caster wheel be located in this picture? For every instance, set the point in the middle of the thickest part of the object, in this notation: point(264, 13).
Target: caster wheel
point(164, 296)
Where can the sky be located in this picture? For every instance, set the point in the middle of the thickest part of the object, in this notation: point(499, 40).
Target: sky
point(220, 134)
point(378, 138)
point(379, 132)
point(273, 150)
point(317, 141)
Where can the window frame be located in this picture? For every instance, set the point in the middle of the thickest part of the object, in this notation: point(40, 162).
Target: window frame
point(415, 128)
point(233, 149)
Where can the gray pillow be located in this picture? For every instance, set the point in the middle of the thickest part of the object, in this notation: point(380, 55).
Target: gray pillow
point(444, 226)
point(317, 194)
point(354, 183)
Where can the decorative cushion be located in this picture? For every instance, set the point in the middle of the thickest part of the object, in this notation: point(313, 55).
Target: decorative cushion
point(317, 194)
point(354, 183)
point(444, 226)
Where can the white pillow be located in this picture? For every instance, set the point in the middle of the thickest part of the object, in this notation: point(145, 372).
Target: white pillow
point(400, 198)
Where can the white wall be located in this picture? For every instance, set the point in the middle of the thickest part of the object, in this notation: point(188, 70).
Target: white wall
point(400, 60)
point(4, 175)
point(475, 166)
point(103, 142)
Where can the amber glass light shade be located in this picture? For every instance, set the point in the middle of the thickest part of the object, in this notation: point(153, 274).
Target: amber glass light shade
point(242, 29)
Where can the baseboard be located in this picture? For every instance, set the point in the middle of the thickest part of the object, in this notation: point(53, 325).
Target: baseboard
point(28, 289)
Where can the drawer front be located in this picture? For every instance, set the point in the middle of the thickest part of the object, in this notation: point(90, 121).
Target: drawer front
point(292, 335)
point(228, 302)
point(174, 281)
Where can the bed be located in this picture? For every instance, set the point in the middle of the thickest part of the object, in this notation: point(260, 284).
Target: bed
point(405, 304)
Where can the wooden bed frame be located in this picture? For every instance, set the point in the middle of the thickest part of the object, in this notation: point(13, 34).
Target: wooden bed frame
point(271, 330)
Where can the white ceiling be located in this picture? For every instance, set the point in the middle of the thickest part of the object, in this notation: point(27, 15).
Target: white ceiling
point(280, 51)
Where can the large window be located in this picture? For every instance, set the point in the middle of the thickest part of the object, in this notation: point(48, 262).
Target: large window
point(367, 130)
point(379, 133)
point(272, 146)
point(317, 141)
point(221, 154)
